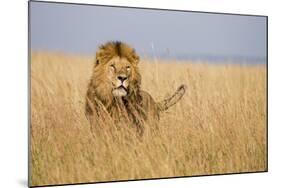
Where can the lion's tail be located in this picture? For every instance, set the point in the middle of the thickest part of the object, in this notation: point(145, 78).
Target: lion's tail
point(167, 103)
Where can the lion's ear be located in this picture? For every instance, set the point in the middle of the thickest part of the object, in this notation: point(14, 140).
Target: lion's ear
point(136, 57)
point(97, 59)
point(97, 62)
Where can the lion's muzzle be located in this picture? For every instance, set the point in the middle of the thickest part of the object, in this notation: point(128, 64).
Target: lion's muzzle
point(121, 86)
point(120, 91)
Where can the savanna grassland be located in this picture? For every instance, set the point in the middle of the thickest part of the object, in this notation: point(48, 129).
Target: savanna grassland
point(219, 126)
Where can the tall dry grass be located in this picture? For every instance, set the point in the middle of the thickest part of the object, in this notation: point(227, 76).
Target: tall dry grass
point(218, 127)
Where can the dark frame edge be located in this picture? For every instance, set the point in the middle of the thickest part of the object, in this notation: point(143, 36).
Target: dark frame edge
point(161, 178)
point(29, 93)
point(145, 8)
point(267, 149)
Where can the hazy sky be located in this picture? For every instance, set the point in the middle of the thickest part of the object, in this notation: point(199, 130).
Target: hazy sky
point(80, 29)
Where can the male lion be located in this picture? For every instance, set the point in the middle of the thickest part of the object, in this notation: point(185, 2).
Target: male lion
point(114, 91)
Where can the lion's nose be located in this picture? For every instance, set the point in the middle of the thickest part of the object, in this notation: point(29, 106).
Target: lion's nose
point(122, 78)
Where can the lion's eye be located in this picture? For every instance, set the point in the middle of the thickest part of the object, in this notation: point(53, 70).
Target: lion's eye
point(128, 68)
point(112, 67)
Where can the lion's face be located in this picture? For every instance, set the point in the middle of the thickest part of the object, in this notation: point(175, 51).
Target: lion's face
point(119, 71)
point(116, 72)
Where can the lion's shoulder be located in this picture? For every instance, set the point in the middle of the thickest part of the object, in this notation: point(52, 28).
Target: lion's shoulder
point(148, 104)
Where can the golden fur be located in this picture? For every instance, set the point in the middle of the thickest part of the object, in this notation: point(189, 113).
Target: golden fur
point(114, 89)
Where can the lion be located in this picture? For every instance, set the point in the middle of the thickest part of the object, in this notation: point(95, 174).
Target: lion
point(114, 91)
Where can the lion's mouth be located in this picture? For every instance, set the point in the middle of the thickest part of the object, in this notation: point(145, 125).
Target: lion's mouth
point(120, 91)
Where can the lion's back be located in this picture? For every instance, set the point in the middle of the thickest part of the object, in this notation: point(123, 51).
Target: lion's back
point(149, 105)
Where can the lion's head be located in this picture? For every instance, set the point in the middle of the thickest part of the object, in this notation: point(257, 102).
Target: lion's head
point(116, 71)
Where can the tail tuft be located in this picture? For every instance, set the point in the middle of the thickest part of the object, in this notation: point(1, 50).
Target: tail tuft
point(167, 103)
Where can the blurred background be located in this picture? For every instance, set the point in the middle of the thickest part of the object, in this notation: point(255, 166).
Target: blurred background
point(80, 29)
